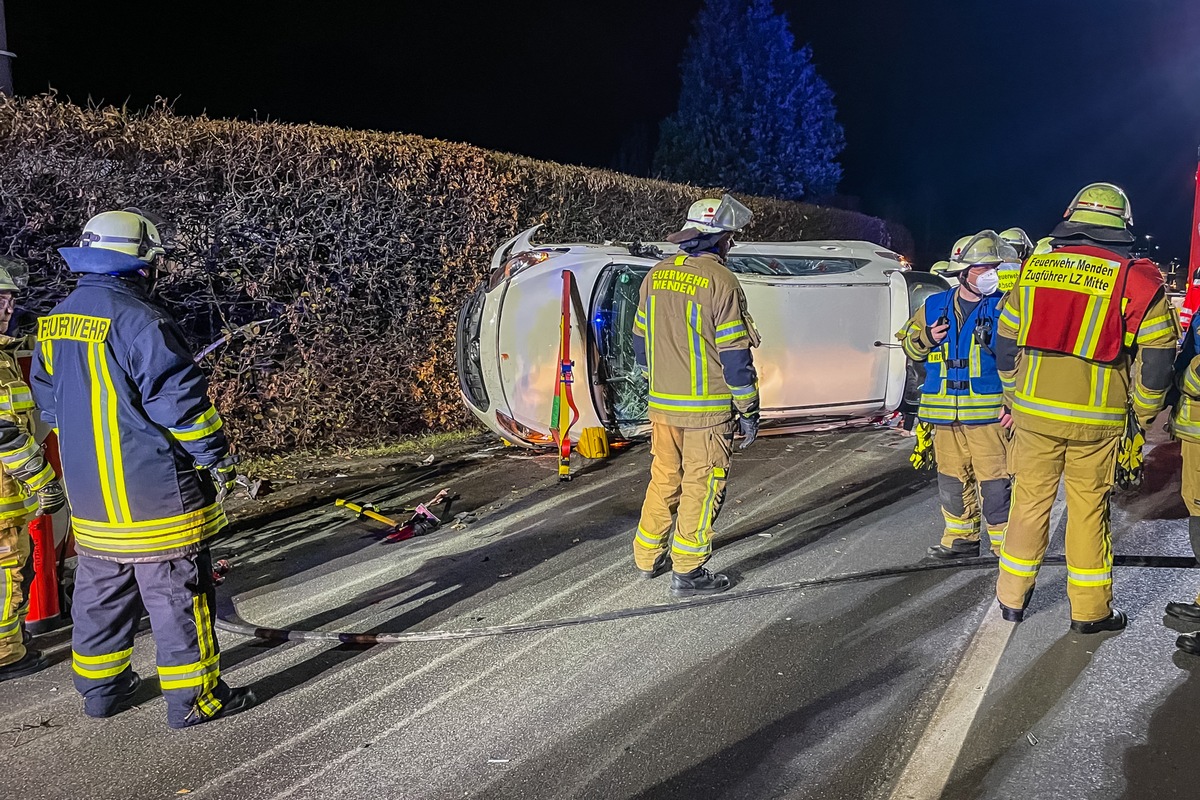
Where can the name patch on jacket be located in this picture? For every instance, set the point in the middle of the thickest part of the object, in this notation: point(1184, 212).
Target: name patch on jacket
point(1073, 272)
point(76, 327)
point(673, 280)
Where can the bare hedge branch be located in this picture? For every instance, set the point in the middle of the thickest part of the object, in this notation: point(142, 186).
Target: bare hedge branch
point(362, 245)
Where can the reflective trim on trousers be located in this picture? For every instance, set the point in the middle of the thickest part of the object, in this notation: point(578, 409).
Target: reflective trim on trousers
point(1089, 577)
point(997, 536)
point(101, 666)
point(959, 524)
point(647, 539)
point(1019, 566)
point(685, 549)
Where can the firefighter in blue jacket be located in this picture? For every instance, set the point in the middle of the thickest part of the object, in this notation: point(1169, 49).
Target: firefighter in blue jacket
point(145, 463)
point(963, 399)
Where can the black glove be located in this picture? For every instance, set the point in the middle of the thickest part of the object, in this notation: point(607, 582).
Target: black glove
point(748, 422)
point(224, 475)
point(51, 498)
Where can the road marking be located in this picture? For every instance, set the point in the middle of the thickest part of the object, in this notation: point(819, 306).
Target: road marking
point(932, 762)
point(929, 767)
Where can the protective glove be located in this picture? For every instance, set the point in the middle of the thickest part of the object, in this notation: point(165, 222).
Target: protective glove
point(748, 422)
point(224, 476)
point(51, 498)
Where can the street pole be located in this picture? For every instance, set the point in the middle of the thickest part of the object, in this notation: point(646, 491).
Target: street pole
point(6, 83)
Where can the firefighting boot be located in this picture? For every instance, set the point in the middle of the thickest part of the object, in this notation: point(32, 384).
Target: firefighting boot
point(1115, 621)
point(962, 548)
point(112, 704)
point(1016, 614)
point(238, 701)
point(33, 661)
point(698, 581)
point(1188, 612)
point(1189, 643)
point(661, 565)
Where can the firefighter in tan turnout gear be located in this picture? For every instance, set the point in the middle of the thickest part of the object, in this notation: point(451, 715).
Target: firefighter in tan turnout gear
point(1185, 425)
point(693, 336)
point(962, 399)
point(27, 486)
point(1096, 339)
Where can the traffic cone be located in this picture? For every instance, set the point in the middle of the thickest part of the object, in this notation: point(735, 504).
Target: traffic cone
point(45, 614)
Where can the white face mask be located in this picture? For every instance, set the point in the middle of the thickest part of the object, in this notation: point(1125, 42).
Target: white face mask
point(987, 283)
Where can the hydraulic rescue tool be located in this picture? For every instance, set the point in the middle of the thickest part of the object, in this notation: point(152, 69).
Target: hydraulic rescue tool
point(421, 522)
point(560, 423)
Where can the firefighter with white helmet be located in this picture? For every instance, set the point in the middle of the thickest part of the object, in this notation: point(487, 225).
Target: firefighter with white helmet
point(146, 463)
point(692, 336)
point(962, 397)
point(28, 486)
point(1096, 337)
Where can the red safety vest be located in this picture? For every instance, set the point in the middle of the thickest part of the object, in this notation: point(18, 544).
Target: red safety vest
point(1084, 301)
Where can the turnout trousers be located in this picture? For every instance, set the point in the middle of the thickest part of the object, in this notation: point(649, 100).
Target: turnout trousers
point(972, 464)
point(1087, 470)
point(1190, 490)
point(179, 595)
point(686, 491)
point(16, 571)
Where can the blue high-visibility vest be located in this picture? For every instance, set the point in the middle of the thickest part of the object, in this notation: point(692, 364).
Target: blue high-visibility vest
point(961, 381)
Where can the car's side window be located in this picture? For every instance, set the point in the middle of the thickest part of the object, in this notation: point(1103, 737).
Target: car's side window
point(615, 312)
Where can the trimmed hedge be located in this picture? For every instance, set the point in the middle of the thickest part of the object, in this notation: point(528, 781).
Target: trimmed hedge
point(361, 245)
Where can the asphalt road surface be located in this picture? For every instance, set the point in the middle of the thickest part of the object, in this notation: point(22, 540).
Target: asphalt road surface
point(906, 687)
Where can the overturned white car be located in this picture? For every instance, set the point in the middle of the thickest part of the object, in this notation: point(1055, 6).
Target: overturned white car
point(827, 313)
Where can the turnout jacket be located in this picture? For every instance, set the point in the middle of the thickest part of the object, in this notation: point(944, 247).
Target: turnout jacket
point(136, 429)
point(17, 445)
point(1093, 329)
point(693, 333)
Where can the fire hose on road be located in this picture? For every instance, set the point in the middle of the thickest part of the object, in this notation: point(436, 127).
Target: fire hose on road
point(230, 621)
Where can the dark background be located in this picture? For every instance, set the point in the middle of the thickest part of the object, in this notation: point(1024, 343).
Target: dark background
point(959, 114)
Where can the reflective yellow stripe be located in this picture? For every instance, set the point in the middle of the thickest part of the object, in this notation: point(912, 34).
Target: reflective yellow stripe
point(9, 619)
point(206, 424)
point(647, 540)
point(114, 433)
point(1191, 381)
point(48, 356)
point(1069, 412)
point(159, 535)
point(101, 666)
point(1151, 328)
point(960, 524)
point(16, 458)
point(107, 484)
point(104, 659)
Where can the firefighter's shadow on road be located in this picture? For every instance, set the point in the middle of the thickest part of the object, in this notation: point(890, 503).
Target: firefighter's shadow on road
point(763, 709)
point(794, 529)
point(1165, 765)
point(1009, 718)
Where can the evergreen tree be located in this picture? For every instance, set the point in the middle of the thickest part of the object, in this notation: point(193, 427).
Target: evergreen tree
point(754, 115)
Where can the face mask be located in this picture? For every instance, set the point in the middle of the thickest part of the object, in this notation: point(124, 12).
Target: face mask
point(987, 283)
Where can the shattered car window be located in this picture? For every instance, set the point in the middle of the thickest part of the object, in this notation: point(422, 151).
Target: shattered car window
point(627, 389)
point(793, 265)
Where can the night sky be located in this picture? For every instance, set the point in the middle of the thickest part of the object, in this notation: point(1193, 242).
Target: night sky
point(959, 115)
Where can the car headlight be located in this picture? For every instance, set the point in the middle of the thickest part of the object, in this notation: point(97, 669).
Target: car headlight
point(515, 265)
point(522, 432)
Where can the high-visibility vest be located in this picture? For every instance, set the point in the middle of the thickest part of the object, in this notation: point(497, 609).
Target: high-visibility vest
point(961, 381)
point(1084, 301)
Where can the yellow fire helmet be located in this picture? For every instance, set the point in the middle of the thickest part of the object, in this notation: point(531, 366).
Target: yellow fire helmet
point(1103, 204)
